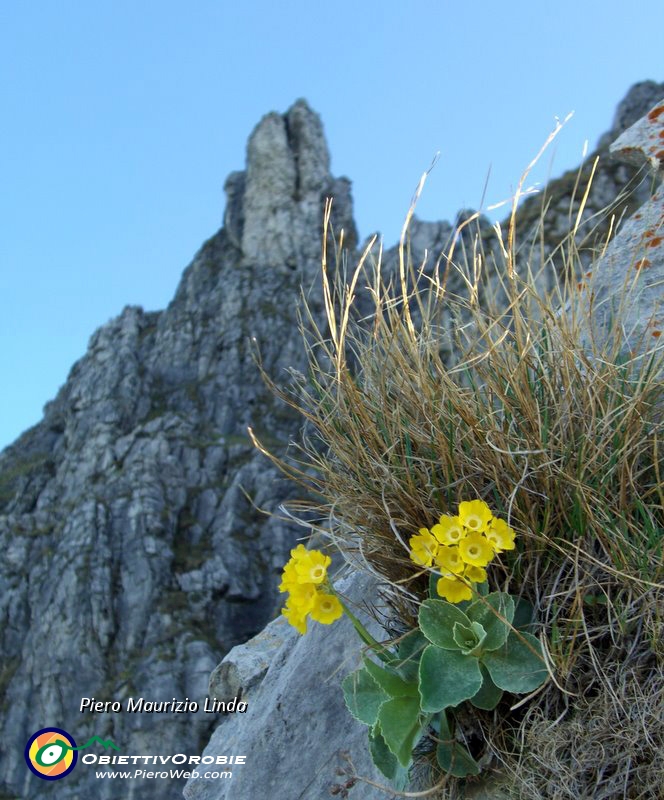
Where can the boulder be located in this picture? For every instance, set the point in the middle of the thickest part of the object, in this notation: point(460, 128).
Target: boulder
point(297, 735)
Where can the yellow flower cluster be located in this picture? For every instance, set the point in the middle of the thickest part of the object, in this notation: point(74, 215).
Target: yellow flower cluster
point(460, 547)
point(305, 579)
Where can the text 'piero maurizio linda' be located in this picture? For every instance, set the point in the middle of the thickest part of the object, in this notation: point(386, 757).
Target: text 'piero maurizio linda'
point(142, 706)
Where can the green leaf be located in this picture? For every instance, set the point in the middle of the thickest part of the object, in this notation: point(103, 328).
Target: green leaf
point(594, 599)
point(389, 681)
point(363, 696)
point(409, 650)
point(437, 618)
point(488, 612)
point(386, 761)
point(455, 759)
point(518, 666)
point(447, 678)
point(366, 637)
point(469, 639)
point(399, 720)
point(523, 614)
point(433, 582)
point(489, 694)
point(453, 756)
point(444, 730)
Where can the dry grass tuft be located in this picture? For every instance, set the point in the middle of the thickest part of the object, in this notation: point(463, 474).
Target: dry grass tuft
point(467, 379)
point(610, 747)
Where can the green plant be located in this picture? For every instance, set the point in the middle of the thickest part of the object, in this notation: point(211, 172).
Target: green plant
point(468, 376)
point(453, 656)
point(466, 650)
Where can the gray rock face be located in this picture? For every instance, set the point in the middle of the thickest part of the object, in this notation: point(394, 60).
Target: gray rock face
point(281, 204)
point(643, 142)
point(132, 559)
point(636, 103)
point(244, 667)
point(615, 183)
point(295, 732)
point(627, 282)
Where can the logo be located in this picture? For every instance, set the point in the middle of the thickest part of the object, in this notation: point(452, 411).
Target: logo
point(51, 753)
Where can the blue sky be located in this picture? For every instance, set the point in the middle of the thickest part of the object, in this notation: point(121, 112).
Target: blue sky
point(121, 121)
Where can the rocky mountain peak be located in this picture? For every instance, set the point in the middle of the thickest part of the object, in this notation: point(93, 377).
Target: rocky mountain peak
point(274, 206)
point(136, 549)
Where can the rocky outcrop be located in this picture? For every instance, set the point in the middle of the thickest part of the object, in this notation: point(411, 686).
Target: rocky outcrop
point(296, 735)
point(136, 554)
point(626, 283)
point(616, 183)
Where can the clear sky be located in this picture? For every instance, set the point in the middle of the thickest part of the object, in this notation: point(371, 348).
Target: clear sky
point(121, 119)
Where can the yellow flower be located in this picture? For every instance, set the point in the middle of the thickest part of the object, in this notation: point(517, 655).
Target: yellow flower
point(302, 597)
point(311, 567)
point(476, 550)
point(326, 608)
point(475, 515)
point(449, 530)
point(288, 576)
point(299, 552)
point(500, 535)
point(453, 590)
point(296, 617)
point(302, 577)
point(423, 548)
point(449, 560)
point(475, 574)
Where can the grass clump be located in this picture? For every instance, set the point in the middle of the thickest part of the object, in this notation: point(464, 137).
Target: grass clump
point(464, 378)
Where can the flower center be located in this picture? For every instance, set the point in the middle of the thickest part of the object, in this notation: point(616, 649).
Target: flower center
point(473, 551)
point(473, 522)
point(318, 572)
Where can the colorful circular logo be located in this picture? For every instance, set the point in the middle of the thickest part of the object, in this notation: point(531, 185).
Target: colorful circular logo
point(50, 755)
